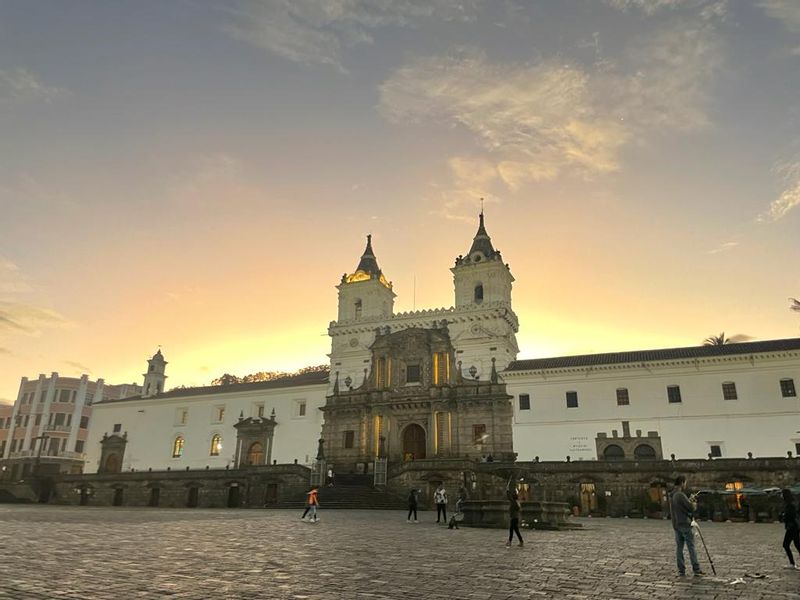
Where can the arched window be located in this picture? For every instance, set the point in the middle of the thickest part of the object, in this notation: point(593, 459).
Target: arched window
point(216, 444)
point(255, 455)
point(644, 452)
point(613, 452)
point(177, 447)
point(358, 308)
point(479, 293)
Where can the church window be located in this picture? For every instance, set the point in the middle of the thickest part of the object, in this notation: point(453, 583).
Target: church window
point(441, 368)
point(674, 394)
point(117, 427)
point(349, 438)
point(301, 408)
point(177, 447)
point(219, 414)
point(413, 374)
point(613, 452)
point(181, 416)
point(787, 388)
point(715, 450)
point(259, 410)
point(478, 293)
point(216, 445)
point(729, 391)
point(572, 399)
point(622, 397)
point(358, 309)
point(524, 402)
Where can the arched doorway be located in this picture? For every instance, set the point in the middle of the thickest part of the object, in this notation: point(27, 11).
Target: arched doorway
point(233, 496)
point(112, 464)
point(255, 454)
point(414, 442)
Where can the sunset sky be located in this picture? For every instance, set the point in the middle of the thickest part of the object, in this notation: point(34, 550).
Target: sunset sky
point(198, 175)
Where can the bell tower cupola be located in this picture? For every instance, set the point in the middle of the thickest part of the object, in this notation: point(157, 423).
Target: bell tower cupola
point(481, 276)
point(365, 293)
point(154, 378)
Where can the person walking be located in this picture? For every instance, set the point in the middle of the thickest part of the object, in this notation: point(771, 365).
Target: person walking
point(312, 503)
point(514, 509)
point(329, 477)
point(440, 499)
point(462, 497)
point(412, 506)
point(791, 522)
point(682, 509)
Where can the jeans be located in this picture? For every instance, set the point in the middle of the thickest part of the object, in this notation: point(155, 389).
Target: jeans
point(441, 511)
point(792, 535)
point(412, 510)
point(686, 536)
point(313, 509)
point(513, 528)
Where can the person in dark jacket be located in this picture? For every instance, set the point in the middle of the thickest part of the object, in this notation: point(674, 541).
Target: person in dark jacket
point(514, 508)
point(412, 506)
point(792, 525)
point(682, 509)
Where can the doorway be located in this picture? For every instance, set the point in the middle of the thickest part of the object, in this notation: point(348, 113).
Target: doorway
point(272, 494)
point(233, 496)
point(193, 497)
point(118, 496)
point(588, 498)
point(414, 442)
point(155, 496)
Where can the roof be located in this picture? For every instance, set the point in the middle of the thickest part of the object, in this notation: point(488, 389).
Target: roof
point(312, 378)
point(368, 263)
point(638, 356)
point(482, 242)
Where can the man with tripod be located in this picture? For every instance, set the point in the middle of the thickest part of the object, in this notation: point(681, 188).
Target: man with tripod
point(682, 509)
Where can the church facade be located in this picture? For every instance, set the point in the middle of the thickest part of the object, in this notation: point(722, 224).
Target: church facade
point(447, 383)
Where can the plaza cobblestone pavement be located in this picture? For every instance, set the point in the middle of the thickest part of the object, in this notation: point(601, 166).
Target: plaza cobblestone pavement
point(98, 553)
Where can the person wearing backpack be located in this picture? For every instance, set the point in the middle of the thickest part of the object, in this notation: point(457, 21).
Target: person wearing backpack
point(791, 521)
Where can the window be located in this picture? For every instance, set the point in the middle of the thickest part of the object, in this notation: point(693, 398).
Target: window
point(216, 444)
point(349, 438)
point(69, 420)
point(787, 388)
point(478, 293)
point(729, 391)
point(358, 309)
point(177, 447)
point(613, 452)
point(181, 416)
point(2, 447)
point(572, 399)
point(797, 448)
point(27, 419)
point(479, 434)
point(42, 395)
point(674, 394)
point(301, 410)
point(38, 420)
point(644, 452)
point(524, 402)
point(79, 446)
point(715, 450)
point(219, 414)
point(622, 397)
point(259, 411)
point(412, 374)
point(84, 422)
point(117, 427)
point(13, 445)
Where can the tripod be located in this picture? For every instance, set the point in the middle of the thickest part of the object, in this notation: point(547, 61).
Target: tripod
point(696, 527)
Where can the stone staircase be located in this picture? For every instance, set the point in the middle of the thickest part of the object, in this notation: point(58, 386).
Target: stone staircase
point(350, 492)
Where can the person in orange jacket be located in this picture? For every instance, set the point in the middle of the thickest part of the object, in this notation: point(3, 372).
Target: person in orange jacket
point(313, 503)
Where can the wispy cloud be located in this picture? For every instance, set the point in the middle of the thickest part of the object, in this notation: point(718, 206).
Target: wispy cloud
point(17, 317)
point(80, 367)
point(707, 8)
point(317, 32)
point(11, 279)
point(787, 11)
point(789, 198)
point(724, 247)
point(20, 85)
point(535, 122)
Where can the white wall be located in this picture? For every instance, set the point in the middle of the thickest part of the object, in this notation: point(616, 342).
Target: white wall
point(761, 421)
point(153, 424)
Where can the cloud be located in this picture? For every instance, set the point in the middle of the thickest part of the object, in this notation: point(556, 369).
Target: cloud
point(20, 85)
point(80, 367)
point(708, 8)
point(6, 351)
point(11, 279)
point(724, 247)
point(787, 11)
point(18, 317)
point(317, 32)
point(789, 198)
point(535, 122)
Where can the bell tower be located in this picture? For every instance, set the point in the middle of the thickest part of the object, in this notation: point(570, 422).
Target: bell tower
point(154, 378)
point(481, 277)
point(365, 293)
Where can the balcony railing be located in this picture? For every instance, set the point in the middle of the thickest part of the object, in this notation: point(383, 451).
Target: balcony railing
point(57, 428)
point(46, 454)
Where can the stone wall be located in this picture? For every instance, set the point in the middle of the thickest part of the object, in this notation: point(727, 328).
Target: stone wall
point(252, 487)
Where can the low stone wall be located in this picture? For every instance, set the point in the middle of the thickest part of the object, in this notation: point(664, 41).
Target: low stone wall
point(534, 515)
point(248, 487)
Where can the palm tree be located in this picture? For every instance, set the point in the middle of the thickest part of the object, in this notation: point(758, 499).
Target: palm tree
point(721, 340)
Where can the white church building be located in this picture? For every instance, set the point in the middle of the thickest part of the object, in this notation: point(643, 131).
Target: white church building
point(723, 401)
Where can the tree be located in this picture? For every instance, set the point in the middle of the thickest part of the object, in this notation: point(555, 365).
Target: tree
point(226, 379)
point(721, 340)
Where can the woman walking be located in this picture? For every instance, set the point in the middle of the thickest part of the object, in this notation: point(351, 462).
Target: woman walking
point(412, 506)
point(514, 508)
point(792, 525)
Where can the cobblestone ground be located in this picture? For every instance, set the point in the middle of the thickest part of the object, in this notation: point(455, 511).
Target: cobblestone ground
point(121, 554)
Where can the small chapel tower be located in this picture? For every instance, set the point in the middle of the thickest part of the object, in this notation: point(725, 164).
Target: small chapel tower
point(481, 276)
point(155, 377)
point(365, 293)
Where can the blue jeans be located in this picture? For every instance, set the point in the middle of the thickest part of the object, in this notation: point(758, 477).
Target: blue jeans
point(686, 536)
